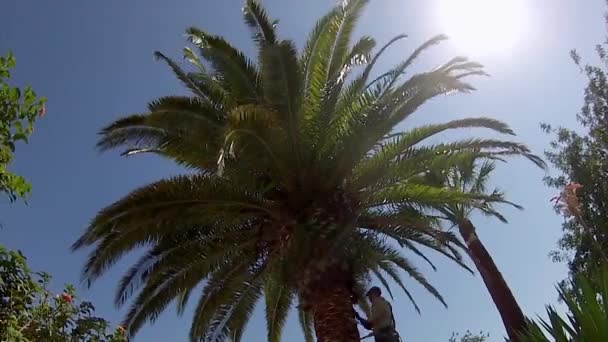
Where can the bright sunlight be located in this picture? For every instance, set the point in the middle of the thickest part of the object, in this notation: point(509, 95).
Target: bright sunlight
point(483, 27)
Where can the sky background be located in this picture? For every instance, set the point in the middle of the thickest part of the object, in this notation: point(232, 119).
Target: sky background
point(93, 61)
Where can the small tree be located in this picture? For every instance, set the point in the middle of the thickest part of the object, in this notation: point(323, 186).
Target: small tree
point(18, 111)
point(30, 312)
point(581, 157)
point(469, 337)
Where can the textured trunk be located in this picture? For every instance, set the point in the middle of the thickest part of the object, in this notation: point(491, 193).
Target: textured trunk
point(510, 312)
point(333, 314)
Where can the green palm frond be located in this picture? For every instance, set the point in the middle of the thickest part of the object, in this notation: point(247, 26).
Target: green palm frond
point(202, 249)
point(407, 267)
point(279, 298)
point(358, 132)
point(383, 281)
point(483, 175)
point(317, 45)
point(401, 142)
point(221, 294)
point(165, 201)
point(188, 136)
point(399, 70)
point(393, 273)
point(193, 105)
point(180, 74)
point(316, 61)
point(232, 68)
point(418, 194)
point(361, 83)
point(256, 18)
point(161, 290)
point(350, 12)
point(360, 54)
point(586, 300)
point(243, 310)
point(411, 233)
point(182, 301)
point(306, 322)
point(282, 84)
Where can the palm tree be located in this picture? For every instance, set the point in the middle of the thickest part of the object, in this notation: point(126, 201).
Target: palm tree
point(298, 181)
point(471, 176)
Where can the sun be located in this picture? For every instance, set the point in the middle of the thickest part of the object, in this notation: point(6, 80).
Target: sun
point(483, 27)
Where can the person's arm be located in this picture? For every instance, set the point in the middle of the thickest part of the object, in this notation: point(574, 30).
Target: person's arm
point(363, 321)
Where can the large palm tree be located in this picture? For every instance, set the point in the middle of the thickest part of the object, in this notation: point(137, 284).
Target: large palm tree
point(472, 176)
point(298, 180)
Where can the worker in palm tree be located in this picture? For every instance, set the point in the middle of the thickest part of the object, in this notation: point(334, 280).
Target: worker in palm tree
point(381, 321)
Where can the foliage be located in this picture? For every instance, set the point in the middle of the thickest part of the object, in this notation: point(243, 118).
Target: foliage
point(469, 337)
point(18, 111)
point(587, 316)
point(298, 179)
point(29, 311)
point(581, 157)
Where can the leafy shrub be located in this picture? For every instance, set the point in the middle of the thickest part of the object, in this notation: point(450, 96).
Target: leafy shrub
point(18, 111)
point(29, 312)
point(587, 316)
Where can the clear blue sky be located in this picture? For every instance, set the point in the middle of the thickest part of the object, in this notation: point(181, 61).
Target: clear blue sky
point(93, 60)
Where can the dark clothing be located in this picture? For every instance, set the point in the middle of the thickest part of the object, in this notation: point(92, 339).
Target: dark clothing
point(386, 335)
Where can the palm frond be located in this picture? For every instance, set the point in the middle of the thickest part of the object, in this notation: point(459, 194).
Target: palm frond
point(362, 82)
point(306, 323)
point(390, 269)
point(194, 105)
point(418, 194)
point(360, 54)
point(180, 74)
point(221, 292)
point(404, 264)
point(243, 310)
point(166, 198)
point(233, 69)
point(282, 84)
point(350, 12)
point(278, 297)
point(190, 138)
point(257, 20)
point(383, 281)
point(401, 67)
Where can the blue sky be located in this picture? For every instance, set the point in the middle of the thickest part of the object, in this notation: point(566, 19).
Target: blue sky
point(93, 61)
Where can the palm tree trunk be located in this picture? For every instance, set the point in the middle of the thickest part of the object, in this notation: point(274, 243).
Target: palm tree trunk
point(333, 314)
point(510, 312)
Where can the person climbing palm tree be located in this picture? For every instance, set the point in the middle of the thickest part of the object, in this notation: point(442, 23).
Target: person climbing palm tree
point(381, 320)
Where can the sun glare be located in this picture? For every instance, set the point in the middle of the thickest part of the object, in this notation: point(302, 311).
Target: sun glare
point(483, 27)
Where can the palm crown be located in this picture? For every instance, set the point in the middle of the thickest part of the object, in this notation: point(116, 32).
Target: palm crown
point(299, 183)
point(472, 176)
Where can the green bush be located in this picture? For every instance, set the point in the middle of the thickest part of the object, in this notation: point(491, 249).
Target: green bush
point(18, 111)
point(29, 312)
